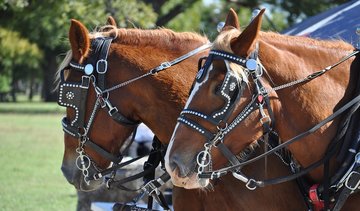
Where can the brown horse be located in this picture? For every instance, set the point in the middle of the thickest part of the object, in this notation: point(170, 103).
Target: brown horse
point(132, 53)
point(240, 73)
point(157, 101)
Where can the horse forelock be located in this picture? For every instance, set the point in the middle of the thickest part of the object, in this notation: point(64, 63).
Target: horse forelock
point(222, 43)
point(63, 65)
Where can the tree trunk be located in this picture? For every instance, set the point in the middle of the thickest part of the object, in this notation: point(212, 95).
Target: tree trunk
point(13, 88)
point(49, 70)
point(31, 88)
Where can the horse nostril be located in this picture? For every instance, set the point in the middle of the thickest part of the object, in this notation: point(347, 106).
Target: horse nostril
point(177, 162)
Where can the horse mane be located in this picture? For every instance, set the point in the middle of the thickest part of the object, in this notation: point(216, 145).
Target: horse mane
point(302, 41)
point(162, 38)
point(223, 41)
point(63, 64)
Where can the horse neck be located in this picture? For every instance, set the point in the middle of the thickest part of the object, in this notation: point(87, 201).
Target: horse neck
point(300, 107)
point(230, 193)
point(160, 97)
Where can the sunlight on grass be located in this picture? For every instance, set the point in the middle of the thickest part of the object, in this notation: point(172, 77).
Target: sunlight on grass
point(31, 152)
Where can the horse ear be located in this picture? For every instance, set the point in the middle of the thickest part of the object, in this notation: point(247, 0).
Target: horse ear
point(111, 21)
point(231, 21)
point(243, 45)
point(79, 40)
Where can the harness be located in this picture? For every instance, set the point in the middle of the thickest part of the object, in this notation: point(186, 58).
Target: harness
point(341, 185)
point(74, 95)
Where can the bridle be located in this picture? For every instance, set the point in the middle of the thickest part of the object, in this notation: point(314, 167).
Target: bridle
point(259, 100)
point(74, 95)
point(230, 91)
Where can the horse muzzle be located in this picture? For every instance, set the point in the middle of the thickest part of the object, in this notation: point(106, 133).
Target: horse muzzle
point(75, 177)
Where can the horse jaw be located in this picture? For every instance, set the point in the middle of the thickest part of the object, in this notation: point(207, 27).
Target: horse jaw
point(75, 177)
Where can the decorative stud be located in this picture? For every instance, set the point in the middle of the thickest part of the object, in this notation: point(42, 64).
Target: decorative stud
point(232, 86)
point(70, 95)
point(89, 69)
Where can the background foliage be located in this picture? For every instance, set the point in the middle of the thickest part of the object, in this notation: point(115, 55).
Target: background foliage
point(33, 34)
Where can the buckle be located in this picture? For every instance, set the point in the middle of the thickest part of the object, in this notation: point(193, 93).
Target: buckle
point(353, 176)
point(251, 184)
point(265, 119)
point(85, 82)
point(97, 176)
point(150, 187)
point(101, 66)
point(163, 66)
point(112, 111)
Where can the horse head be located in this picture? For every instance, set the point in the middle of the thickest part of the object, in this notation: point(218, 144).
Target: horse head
point(95, 127)
point(115, 75)
point(235, 100)
point(222, 83)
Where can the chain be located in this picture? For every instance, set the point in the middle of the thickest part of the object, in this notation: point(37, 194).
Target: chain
point(83, 161)
point(284, 86)
point(128, 82)
point(203, 159)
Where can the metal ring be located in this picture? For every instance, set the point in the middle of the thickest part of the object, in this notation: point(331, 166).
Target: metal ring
point(201, 161)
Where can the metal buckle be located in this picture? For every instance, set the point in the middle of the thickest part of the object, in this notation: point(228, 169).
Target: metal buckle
point(112, 111)
point(348, 179)
point(85, 82)
point(163, 66)
point(149, 188)
point(265, 119)
point(104, 67)
point(251, 184)
point(97, 176)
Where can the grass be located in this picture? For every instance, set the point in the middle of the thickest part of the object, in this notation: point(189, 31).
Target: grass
point(31, 150)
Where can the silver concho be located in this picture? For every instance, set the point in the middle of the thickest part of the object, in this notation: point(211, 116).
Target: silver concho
point(89, 69)
point(70, 95)
point(232, 86)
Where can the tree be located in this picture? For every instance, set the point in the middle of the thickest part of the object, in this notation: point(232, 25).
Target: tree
point(19, 60)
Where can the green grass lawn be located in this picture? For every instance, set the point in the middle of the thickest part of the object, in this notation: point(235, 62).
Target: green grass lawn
point(31, 149)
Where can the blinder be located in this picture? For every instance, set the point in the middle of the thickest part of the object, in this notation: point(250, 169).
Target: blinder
point(74, 95)
point(230, 91)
